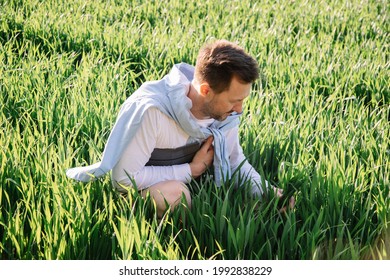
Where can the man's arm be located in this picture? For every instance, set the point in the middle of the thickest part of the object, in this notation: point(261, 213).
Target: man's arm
point(238, 160)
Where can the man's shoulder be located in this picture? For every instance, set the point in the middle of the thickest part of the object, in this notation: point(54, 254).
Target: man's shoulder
point(155, 115)
point(155, 112)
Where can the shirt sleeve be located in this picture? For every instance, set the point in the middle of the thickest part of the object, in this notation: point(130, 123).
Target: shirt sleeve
point(240, 164)
point(131, 167)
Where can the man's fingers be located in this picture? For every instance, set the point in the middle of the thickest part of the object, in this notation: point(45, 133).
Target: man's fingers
point(208, 143)
point(292, 202)
point(278, 192)
point(290, 206)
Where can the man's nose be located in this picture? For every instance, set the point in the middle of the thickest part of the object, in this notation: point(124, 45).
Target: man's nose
point(238, 108)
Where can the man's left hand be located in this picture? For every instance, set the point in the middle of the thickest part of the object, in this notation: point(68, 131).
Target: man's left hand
point(291, 203)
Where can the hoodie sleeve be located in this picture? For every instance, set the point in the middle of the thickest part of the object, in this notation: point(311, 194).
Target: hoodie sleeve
point(239, 163)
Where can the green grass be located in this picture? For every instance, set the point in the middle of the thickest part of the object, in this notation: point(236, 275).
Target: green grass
point(317, 124)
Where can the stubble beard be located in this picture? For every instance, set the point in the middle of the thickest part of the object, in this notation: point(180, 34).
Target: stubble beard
point(209, 112)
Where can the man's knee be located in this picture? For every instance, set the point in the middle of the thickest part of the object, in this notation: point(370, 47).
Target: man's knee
point(170, 192)
point(180, 190)
point(175, 190)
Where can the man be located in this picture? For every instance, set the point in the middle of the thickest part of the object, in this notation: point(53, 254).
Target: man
point(170, 131)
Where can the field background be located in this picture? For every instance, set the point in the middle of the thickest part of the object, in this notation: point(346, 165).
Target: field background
point(317, 124)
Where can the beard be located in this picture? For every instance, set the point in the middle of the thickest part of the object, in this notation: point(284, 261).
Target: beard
point(209, 109)
point(221, 117)
point(218, 116)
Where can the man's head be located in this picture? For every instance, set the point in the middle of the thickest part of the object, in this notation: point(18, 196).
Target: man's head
point(224, 74)
point(218, 62)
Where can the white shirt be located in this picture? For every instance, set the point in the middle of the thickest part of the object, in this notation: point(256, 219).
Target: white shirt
point(157, 130)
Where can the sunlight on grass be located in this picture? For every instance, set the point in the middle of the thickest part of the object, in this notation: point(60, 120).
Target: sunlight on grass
point(316, 125)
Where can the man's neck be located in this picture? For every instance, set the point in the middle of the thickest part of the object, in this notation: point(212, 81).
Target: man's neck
point(197, 102)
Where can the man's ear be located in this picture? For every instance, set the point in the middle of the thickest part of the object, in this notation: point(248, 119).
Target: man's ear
point(204, 89)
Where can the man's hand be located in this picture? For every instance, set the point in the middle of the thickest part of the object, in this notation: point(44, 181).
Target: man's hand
point(279, 194)
point(203, 158)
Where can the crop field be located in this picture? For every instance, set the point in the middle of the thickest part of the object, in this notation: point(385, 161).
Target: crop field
point(316, 125)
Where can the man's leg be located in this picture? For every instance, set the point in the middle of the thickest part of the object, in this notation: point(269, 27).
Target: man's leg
point(169, 192)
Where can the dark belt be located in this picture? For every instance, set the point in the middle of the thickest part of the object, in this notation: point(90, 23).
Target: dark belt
point(167, 157)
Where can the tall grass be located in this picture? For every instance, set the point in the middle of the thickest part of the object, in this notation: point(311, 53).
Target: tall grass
point(316, 125)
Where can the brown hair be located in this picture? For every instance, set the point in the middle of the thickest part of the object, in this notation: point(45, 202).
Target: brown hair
point(219, 61)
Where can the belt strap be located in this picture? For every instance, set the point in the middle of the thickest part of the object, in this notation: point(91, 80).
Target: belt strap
point(181, 155)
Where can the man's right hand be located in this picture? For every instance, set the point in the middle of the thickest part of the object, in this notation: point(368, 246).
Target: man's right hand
point(203, 158)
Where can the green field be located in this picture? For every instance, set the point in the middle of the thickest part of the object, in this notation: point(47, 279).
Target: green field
point(317, 124)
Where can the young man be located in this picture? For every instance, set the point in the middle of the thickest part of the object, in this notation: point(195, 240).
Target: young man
point(170, 131)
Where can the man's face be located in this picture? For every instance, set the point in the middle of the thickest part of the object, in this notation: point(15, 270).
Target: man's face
point(220, 105)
